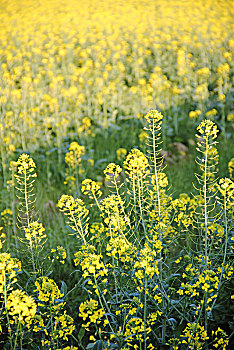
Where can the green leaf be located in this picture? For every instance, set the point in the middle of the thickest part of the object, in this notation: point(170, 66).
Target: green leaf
point(81, 333)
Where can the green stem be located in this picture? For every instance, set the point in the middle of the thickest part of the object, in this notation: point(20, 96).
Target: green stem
point(100, 301)
point(16, 336)
point(5, 302)
point(225, 254)
point(206, 226)
point(145, 311)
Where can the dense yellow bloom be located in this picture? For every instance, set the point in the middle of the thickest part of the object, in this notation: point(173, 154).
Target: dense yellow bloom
point(9, 268)
point(90, 312)
point(25, 164)
point(146, 266)
point(73, 157)
point(91, 263)
point(211, 113)
point(35, 233)
point(91, 188)
point(207, 129)
point(161, 179)
point(134, 330)
point(136, 163)
point(154, 116)
point(226, 187)
point(112, 171)
point(47, 290)
point(194, 336)
point(63, 326)
point(194, 114)
point(6, 216)
point(69, 205)
point(71, 75)
point(77, 214)
point(21, 307)
point(221, 339)
point(113, 213)
point(121, 249)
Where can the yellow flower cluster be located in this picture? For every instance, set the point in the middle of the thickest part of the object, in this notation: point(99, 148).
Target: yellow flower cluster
point(146, 266)
point(112, 212)
point(221, 339)
point(161, 179)
point(120, 249)
point(2, 236)
point(73, 157)
point(206, 281)
point(91, 188)
point(154, 119)
point(136, 164)
point(48, 291)
point(121, 153)
point(195, 114)
point(25, 165)
point(134, 330)
point(58, 253)
point(9, 268)
point(184, 208)
point(194, 336)
point(70, 206)
point(226, 187)
point(90, 312)
point(92, 265)
point(35, 233)
point(207, 129)
point(77, 214)
point(71, 75)
point(231, 168)
point(6, 216)
point(63, 326)
point(112, 171)
point(21, 307)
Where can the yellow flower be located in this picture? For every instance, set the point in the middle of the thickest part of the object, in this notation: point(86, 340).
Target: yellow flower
point(154, 116)
point(231, 167)
point(226, 187)
point(91, 188)
point(207, 129)
point(112, 171)
point(121, 153)
point(73, 157)
point(47, 290)
point(89, 311)
point(136, 163)
point(21, 307)
point(9, 267)
point(25, 164)
point(35, 233)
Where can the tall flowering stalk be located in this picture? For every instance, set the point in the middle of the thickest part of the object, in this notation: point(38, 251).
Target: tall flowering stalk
point(154, 125)
point(25, 177)
point(206, 134)
point(158, 181)
point(34, 233)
